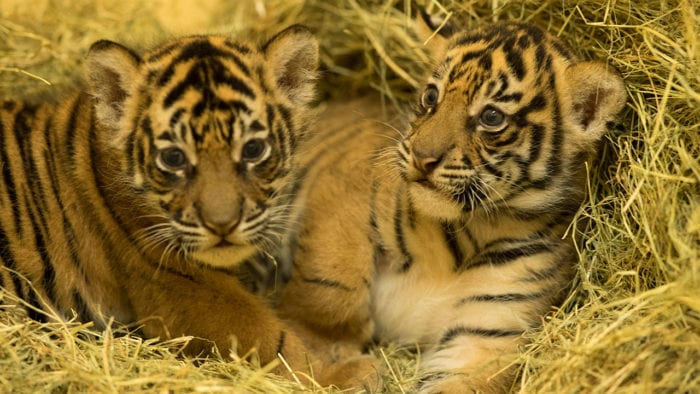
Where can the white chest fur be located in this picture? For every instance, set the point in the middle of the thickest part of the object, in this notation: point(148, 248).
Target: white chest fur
point(409, 306)
point(416, 305)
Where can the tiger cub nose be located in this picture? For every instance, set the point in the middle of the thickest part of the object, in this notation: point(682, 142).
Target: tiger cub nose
point(426, 164)
point(220, 223)
point(220, 227)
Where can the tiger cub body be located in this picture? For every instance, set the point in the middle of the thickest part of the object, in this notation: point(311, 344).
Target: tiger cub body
point(138, 198)
point(454, 238)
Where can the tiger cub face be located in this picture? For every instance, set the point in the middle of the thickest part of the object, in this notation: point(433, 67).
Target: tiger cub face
point(204, 129)
point(503, 124)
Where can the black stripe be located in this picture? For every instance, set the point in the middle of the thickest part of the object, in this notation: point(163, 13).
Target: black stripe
point(327, 283)
point(31, 174)
point(537, 103)
point(68, 232)
point(486, 61)
point(536, 138)
point(554, 162)
point(524, 42)
point(410, 212)
point(470, 237)
point(513, 137)
point(515, 61)
point(281, 135)
point(238, 46)
point(262, 223)
point(175, 119)
point(543, 59)
point(456, 73)
point(261, 211)
point(399, 233)
point(543, 274)
point(458, 331)
point(489, 88)
point(239, 63)
point(49, 274)
point(561, 49)
point(8, 260)
point(8, 179)
point(280, 342)
point(235, 105)
point(451, 238)
point(67, 227)
point(81, 308)
point(471, 37)
point(509, 241)
point(489, 166)
point(221, 75)
point(36, 310)
point(375, 238)
point(512, 97)
point(194, 79)
point(198, 49)
point(288, 130)
point(503, 78)
point(506, 297)
point(129, 156)
point(467, 162)
point(28, 294)
point(432, 377)
point(505, 256)
point(159, 53)
point(71, 133)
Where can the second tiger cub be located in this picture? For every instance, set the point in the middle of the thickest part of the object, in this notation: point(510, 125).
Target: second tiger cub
point(452, 238)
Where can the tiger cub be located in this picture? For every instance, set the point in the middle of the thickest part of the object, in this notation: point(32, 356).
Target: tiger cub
point(454, 237)
point(136, 198)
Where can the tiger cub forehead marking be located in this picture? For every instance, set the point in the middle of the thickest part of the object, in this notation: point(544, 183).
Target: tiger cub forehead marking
point(521, 48)
point(496, 60)
point(209, 91)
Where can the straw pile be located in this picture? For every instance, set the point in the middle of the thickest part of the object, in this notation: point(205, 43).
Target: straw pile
point(632, 323)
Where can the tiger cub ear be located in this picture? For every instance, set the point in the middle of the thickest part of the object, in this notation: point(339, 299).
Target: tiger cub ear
point(597, 95)
point(293, 58)
point(111, 72)
point(434, 32)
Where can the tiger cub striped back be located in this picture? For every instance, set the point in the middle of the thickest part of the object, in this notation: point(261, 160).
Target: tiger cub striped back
point(454, 238)
point(137, 198)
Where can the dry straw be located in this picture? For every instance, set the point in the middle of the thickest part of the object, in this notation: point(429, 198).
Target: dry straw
point(632, 321)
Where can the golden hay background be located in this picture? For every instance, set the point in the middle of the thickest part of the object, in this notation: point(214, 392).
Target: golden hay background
point(632, 323)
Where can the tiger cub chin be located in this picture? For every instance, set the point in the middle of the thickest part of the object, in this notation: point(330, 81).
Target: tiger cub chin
point(453, 238)
point(135, 198)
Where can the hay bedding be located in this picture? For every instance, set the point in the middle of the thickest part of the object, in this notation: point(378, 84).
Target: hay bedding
point(632, 322)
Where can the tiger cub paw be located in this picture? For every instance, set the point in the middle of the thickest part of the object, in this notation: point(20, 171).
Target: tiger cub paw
point(362, 372)
point(459, 383)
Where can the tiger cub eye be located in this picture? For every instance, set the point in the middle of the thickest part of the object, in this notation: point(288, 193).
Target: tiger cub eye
point(430, 97)
point(253, 149)
point(492, 118)
point(173, 158)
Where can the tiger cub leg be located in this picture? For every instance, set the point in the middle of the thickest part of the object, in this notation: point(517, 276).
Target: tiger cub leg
point(330, 309)
point(328, 295)
point(230, 309)
point(488, 368)
point(332, 316)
